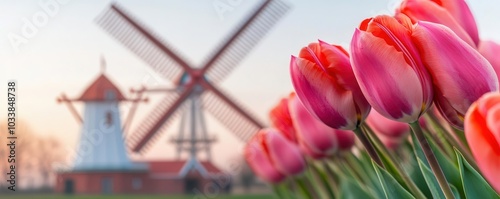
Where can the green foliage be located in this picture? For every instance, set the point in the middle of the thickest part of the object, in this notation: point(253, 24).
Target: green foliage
point(474, 184)
point(392, 189)
point(350, 189)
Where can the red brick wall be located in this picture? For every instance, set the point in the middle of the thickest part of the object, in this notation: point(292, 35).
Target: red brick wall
point(122, 182)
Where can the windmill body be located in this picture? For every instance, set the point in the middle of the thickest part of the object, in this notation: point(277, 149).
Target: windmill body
point(101, 145)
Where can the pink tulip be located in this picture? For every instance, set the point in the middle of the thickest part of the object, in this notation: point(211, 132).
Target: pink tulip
point(452, 13)
point(311, 132)
point(482, 131)
point(389, 128)
point(389, 70)
point(391, 143)
point(460, 74)
point(284, 155)
point(281, 120)
point(490, 50)
point(323, 79)
point(259, 161)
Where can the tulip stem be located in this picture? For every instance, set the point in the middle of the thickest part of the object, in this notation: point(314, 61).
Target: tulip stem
point(431, 158)
point(394, 164)
point(457, 142)
point(303, 186)
point(324, 179)
point(280, 190)
point(460, 145)
point(368, 146)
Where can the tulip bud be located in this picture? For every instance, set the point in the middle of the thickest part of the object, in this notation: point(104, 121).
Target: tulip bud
point(284, 154)
point(460, 74)
point(454, 14)
point(490, 50)
point(281, 120)
point(311, 132)
point(259, 162)
point(323, 79)
point(389, 70)
point(389, 128)
point(482, 131)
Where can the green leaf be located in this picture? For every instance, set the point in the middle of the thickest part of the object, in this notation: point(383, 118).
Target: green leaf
point(391, 187)
point(364, 161)
point(450, 170)
point(431, 180)
point(455, 192)
point(429, 176)
point(474, 184)
point(349, 189)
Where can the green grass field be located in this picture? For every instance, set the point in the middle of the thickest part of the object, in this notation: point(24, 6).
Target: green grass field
point(136, 197)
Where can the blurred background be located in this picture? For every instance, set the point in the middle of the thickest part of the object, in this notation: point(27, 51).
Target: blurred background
point(65, 54)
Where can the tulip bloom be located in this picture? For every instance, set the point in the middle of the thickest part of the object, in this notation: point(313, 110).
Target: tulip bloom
point(260, 163)
point(387, 127)
point(454, 14)
point(460, 74)
point(281, 120)
point(389, 70)
point(323, 79)
point(316, 137)
point(269, 154)
point(490, 50)
point(482, 131)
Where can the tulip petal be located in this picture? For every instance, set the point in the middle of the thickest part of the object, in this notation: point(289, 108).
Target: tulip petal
point(285, 155)
point(261, 164)
point(463, 15)
point(425, 10)
point(316, 135)
point(387, 127)
point(385, 78)
point(345, 139)
point(454, 65)
point(490, 50)
point(321, 95)
point(493, 121)
point(340, 68)
point(281, 120)
point(484, 146)
point(446, 110)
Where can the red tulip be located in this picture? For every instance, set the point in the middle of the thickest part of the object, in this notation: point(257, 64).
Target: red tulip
point(452, 13)
point(323, 80)
point(490, 50)
point(281, 120)
point(460, 74)
point(389, 70)
point(482, 131)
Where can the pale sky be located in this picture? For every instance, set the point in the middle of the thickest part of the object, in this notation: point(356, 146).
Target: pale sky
point(63, 55)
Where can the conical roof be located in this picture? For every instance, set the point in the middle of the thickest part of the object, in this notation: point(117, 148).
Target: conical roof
point(102, 89)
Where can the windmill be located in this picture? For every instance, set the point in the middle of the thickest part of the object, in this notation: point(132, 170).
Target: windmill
point(196, 86)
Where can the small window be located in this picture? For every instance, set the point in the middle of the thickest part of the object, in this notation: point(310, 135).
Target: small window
point(110, 95)
point(136, 183)
point(109, 119)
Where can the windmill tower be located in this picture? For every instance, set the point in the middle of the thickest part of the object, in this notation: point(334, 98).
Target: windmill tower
point(101, 145)
point(196, 91)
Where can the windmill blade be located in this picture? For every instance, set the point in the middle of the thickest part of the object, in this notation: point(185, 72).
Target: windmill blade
point(230, 113)
point(146, 45)
point(157, 121)
point(244, 39)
